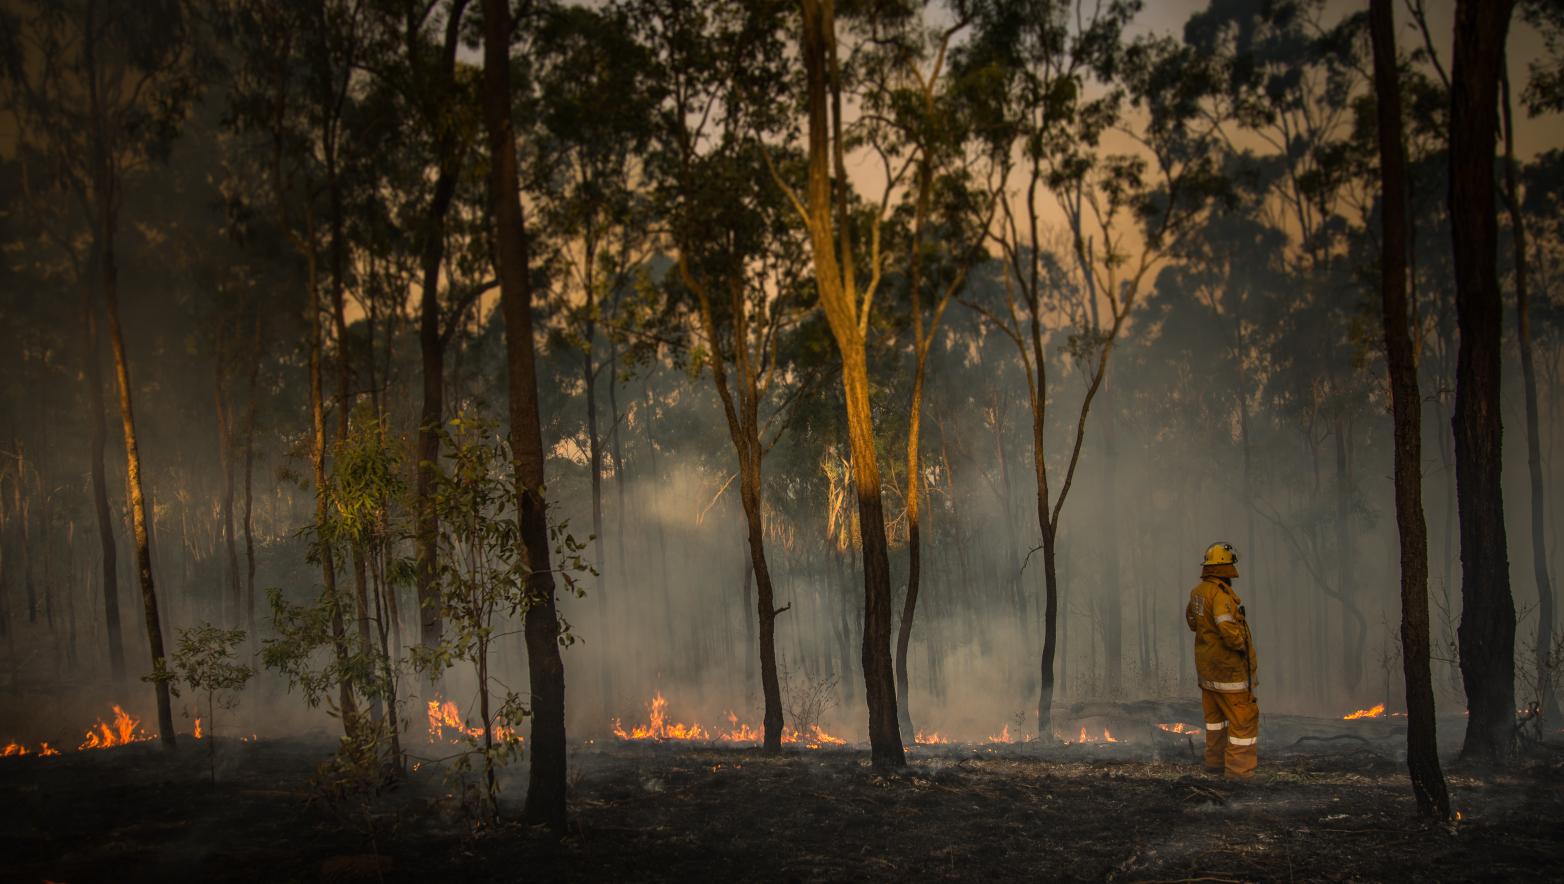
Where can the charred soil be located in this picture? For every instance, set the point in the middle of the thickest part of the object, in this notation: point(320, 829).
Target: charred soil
point(1338, 811)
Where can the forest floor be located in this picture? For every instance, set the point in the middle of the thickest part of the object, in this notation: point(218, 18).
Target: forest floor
point(1140, 810)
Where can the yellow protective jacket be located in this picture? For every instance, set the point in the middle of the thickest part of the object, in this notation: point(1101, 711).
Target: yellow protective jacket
point(1225, 659)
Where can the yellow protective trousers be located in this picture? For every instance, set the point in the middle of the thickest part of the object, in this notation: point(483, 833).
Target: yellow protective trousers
point(1232, 729)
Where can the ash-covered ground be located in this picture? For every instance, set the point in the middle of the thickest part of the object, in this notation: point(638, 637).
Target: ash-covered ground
point(1336, 807)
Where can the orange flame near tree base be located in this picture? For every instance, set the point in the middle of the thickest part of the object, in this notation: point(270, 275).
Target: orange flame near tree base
point(444, 715)
point(660, 728)
point(125, 730)
point(1376, 711)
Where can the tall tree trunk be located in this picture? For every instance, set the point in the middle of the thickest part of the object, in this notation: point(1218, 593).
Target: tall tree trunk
point(347, 704)
point(1487, 631)
point(840, 297)
point(546, 669)
point(743, 419)
point(222, 411)
point(1113, 595)
point(1428, 782)
point(431, 348)
point(138, 507)
point(249, 479)
point(1539, 550)
point(92, 363)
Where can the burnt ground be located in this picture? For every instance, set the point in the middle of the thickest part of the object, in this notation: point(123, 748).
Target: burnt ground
point(1334, 809)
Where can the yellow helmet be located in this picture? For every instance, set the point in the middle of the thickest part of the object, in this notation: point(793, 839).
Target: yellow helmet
point(1220, 553)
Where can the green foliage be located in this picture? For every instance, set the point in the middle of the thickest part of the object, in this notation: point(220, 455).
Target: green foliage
point(483, 581)
point(206, 662)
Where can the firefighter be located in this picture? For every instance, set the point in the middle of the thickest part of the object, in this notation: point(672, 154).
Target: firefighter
point(1225, 663)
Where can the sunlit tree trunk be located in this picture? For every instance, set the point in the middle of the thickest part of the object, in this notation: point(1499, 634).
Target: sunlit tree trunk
point(546, 669)
point(105, 204)
point(1539, 549)
point(1487, 631)
point(92, 363)
point(1428, 783)
point(840, 297)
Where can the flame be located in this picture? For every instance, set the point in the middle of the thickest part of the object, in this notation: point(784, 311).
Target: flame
point(660, 728)
point(1179, 728)
point(126, 729)
point(934, 739)
point(1084, 737)
point(739, 732)
point(445, 714)
point(18, 750)
point(198, 727)
point(1375, 712)
point(1002, 737)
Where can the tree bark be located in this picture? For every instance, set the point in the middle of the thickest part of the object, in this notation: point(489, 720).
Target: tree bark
point(840, 296)
point(222, 411)
point(249, 479)
point(138, 508)
point(92, 363)
point(546, 781)
point(743, 419)
point(1539, 550)
point(431, 348)
point(347, 704)
point(1428, 783)
point(1487, 630)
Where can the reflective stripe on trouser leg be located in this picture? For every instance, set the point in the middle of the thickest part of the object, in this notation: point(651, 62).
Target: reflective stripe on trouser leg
point(1216, 731)
point(1243, 732)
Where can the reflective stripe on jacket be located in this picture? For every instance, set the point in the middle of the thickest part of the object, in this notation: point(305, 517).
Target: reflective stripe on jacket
point(1225, 659)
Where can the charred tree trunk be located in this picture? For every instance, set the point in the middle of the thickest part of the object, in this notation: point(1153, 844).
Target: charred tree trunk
point(92, 363)
point(1539, 549)
point(1487, 630)
point(840, 297)
point(546, 781)
point(1428, 783)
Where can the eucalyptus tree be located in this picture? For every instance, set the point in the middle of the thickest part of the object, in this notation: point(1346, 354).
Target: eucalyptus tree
point(112, 92)
point(546, 669)
point(592, 101)
point(1428, 784)
point(913, 114)
point(290, 83)
point(1285, 74)
point(739, 268)
point(1058, 77)
point(1487, 630)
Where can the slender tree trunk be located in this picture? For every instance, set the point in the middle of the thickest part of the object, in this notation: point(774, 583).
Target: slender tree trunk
point(138, 507)
point(431, 348)
point(1487, 631)
point(743, 419)
point(546, 669)
point(1354, 629)
point(1428, 783)
point(249, 480)
point(840, 298)
point(347, 704)
point(223, 412)
point(1539, 550)
point(92, 362)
